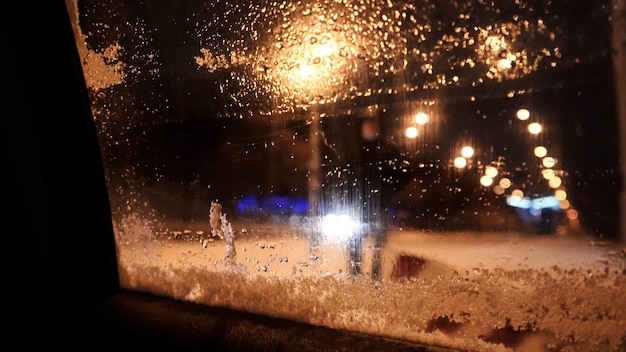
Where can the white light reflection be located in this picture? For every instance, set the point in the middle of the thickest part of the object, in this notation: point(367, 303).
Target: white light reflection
point(338, 227)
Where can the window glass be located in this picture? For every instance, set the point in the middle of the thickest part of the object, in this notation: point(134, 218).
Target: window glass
point(439, 172)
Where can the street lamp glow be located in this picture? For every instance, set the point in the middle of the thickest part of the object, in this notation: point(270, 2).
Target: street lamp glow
point(306, 71)
point(505, 182)
point(324, 50)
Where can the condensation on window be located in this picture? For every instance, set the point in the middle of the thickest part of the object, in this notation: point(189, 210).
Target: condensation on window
point(439, 172)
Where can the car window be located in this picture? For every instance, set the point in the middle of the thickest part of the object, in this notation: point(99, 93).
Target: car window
point(439, 172)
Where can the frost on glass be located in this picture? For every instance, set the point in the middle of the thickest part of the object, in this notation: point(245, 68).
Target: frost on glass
point(440, 172)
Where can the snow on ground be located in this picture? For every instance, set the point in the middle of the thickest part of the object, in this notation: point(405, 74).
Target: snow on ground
point(465, 291)
point(509, 251)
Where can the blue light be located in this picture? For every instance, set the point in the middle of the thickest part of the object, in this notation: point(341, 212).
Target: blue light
point(279, 205)
point(545, 202)
point(518, 202)
point(535, 203)
point(248, 203)
point(300, 206)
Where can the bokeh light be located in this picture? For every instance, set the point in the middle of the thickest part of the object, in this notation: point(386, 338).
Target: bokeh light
point(534, 128)
point(560, 194)
point(467, 152)
point(555, 182)
point(571, 214)
point(460, 162)
point(548, 162)
point(548, 174)
point(491, 171)
point(523, 114)
point(421, 118)
point(486, 181)
point(505, 182)
point(540, 151)
point(411, 132)
point(497, 189)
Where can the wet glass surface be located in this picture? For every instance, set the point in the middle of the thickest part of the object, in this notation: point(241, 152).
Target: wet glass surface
point(422, 170)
